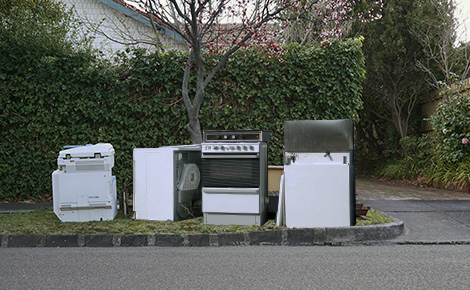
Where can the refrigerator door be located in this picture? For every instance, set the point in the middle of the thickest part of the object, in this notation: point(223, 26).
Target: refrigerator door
point(317, 195)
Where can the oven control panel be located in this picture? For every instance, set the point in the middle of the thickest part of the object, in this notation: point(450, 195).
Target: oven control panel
point(230, 147)
point(238, 136)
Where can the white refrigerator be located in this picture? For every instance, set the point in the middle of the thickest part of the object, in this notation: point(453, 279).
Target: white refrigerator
point(319, 174)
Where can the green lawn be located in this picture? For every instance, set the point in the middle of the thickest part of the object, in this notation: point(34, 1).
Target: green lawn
point(46, 222)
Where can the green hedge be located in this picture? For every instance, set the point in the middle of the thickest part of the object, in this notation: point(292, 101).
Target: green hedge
point(73, 100)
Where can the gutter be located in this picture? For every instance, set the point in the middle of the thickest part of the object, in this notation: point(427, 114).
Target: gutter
point(138, 16)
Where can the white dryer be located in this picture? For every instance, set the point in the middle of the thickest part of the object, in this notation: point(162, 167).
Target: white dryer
point(167, 183)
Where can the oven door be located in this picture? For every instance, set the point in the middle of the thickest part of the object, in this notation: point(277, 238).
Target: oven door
point(230, 170)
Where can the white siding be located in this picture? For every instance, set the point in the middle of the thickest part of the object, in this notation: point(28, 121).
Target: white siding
point(122, 30)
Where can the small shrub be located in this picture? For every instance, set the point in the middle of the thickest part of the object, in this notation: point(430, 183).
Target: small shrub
point(394, 170)
point(451, 124)
point(411, 160)
point(449, 174)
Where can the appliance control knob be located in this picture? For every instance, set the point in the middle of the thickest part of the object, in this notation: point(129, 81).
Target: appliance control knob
point(216, 147)
point(222, 148)
point(232, 148)
point(245, 147)
point(225, 137)
point(234, 137)
point(252, 148)
point(239, 148)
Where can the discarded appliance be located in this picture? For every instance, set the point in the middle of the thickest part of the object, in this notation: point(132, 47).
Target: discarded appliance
point(319, 184)
point(234, 177)
point(83, 187)
point(167, 182)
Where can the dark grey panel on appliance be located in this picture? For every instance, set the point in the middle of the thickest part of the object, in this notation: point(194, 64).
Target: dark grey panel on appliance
point(352, 189)
point(318, 136)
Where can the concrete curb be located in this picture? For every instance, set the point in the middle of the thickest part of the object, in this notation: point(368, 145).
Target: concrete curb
point(283, 237)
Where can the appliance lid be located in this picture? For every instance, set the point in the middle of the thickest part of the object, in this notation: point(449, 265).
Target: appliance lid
point(99, 150)
point(318, 136)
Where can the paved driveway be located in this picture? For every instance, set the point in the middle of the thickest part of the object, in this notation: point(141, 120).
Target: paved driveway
point(429, 220)
point(372, 189)
point(430, 215)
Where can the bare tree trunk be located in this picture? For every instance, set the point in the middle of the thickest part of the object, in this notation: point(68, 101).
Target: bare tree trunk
point(400, 124)
point(366, 133)
point(194, 129)
point(192, 108)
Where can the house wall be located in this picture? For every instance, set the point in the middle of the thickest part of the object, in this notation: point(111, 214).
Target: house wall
point(113, 31)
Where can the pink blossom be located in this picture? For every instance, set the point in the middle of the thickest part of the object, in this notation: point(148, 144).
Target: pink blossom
point(444, 130)
point(464, 141)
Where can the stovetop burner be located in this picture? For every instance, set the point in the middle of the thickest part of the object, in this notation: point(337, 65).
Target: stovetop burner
point(255, 135)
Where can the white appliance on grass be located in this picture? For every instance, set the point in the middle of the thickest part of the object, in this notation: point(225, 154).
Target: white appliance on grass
point(167, 183)
point(83, 186)
point(318, 184)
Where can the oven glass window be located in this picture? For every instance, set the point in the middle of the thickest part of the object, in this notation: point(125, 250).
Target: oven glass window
point(230, 172)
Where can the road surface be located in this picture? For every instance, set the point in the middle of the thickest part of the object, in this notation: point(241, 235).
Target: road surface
point(256, 267)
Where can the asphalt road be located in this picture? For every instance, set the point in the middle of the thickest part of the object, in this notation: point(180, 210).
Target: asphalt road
point(369, 267)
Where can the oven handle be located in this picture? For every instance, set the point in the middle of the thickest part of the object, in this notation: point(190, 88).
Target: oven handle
point(234, 156)
point(230, 190)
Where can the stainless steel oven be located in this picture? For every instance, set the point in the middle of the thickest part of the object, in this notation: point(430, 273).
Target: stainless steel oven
point(234, 177)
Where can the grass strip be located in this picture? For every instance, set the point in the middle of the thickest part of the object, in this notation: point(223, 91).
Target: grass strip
point(374, 218)
point(45, 222)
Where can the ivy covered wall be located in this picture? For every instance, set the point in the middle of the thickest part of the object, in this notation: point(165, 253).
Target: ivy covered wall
point(74, 99)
